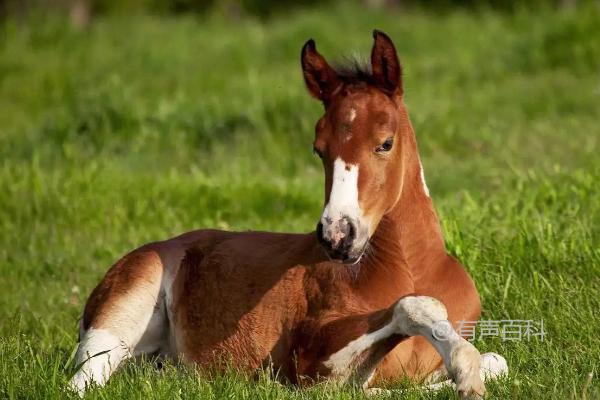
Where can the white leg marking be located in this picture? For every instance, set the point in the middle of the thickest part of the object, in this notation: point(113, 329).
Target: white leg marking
point(340, 362)
point(138, 326)
point(99, 353)
point(422, 315)
point(156, 334)
point(492, 366)
point(440, 374)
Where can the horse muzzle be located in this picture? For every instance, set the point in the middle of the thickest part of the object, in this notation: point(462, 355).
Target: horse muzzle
point(341, 240)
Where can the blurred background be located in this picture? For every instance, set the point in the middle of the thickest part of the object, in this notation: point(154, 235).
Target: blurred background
point(124, 122)
point(81, 12)
point(170, 82)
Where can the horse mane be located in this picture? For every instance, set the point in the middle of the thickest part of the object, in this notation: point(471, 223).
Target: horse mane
point(352, 70)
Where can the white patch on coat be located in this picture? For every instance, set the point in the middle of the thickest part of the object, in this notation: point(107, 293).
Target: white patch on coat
point(425, 188)
point(351, 115)
point(348, 125)
point(343, 199)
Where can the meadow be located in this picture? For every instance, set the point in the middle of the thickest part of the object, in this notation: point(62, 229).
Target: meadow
point(140, 128)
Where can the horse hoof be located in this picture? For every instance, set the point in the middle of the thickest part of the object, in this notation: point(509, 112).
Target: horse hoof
point(493, 366)
point(464, 369)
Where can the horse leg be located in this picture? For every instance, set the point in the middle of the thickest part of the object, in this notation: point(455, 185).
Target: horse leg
point(410, 316)
point(124, 317)
point(492, 366)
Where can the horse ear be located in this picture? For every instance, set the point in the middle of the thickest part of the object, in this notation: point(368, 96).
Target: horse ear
point(385, 66)
point(321, 80)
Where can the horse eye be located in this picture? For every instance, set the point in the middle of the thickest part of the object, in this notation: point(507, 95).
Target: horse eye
point(385, 146)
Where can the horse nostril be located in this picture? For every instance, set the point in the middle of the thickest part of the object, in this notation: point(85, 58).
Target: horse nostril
point(320, 236)
point(351, 232)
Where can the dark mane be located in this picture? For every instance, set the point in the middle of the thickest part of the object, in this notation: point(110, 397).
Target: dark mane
point(354, 70)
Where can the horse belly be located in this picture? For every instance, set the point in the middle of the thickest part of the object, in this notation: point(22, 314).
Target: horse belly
point(212, 339)
point(219, 314)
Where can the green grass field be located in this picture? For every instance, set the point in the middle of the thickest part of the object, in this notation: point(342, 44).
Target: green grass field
point(142, 128)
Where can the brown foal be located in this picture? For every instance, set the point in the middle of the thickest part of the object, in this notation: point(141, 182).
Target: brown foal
point(367, 298)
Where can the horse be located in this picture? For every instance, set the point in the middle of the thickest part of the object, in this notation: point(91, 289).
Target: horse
point(370, 297)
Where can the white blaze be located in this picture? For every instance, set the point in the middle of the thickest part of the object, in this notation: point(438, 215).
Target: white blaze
point(343, 199)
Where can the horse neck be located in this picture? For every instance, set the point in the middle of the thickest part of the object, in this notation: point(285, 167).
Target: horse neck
point(408, 241)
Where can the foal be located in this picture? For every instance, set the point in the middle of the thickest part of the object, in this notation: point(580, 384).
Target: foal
point(366, 299)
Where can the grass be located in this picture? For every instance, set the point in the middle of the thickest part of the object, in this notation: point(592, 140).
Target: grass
point(141, 128)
